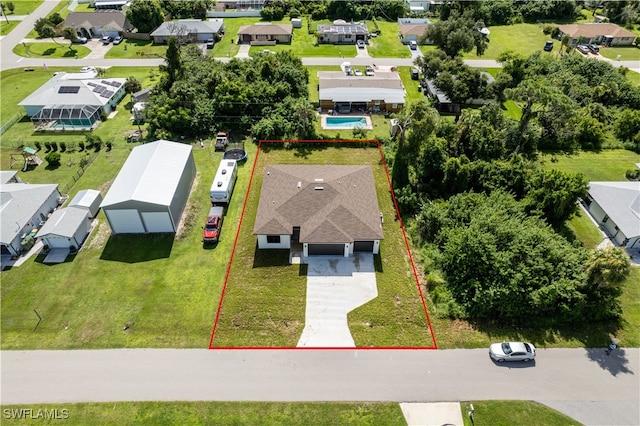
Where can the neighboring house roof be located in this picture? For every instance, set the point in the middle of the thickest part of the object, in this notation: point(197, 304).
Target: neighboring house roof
point(341, 27)
point(63, 222)
point(192, 26)
point(151, 174)
point(413, 29)
point(19, 202)
point(7, 176)
point(61, 90)
point(435, 91)
point(99, 19)
point(621, 202)
point(595, 30)
point(142, 95)
point(336, 86)
point(330, 204)
point(266, 29)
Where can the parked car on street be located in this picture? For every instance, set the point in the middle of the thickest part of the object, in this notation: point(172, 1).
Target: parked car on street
point(360, 44)
point(117, 40)
point(512, 351)
point(583, 48)
point(357, 72)
point(369, 71)
point(106, 40)
point(548, 46)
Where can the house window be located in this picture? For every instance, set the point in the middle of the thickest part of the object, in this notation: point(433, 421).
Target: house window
point(261, 37)
point(377, 102)
point(605, 219)
point(394, 106)
point(273, 239)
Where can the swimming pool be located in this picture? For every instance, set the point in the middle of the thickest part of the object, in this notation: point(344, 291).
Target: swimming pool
point(346, 122)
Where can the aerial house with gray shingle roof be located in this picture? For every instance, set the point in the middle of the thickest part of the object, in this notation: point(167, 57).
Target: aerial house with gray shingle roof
point(329, 210)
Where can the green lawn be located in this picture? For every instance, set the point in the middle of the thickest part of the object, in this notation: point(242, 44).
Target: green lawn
point(130, 48)
point(630, 335)
point(25, 7)
point(61, 8)
point(410, 86)
point(507, 413)
point(634, 77)
point(265, 300)
point(606, 165)
point(51, 50)
point(630, 53)
point(521, 38)
point(85, 7)
point(387, 44)
point(585, 230)
point(6, 27)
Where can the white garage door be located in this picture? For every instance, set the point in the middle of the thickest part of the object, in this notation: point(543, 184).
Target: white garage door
point(157, 222)
point(125, 221)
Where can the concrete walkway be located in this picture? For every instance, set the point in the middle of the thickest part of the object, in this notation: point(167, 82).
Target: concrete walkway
point(335, 287)
point(432, 414)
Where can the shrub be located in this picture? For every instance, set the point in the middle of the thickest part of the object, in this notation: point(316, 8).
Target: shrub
point(632, 174)
point(53, 158)
point(547, 29)
point(54, 146)
point(63, 147)
point(81, 146)
point(38, 146)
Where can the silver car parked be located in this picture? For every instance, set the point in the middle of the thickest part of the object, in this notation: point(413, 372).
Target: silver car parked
point(512, 351)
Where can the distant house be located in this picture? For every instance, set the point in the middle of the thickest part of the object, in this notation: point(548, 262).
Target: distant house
point(265, 33)
point(342, 32)
point(188, 30)
point(329, 210)
point(98, 24)
point(616, 207)
point(151, 190)
point(67, 228)
point(383, 92)
point(9, 176)
point(412, 29)
point(109, 4)
point(240, 4)
point(421, 6)
point(441, 101)
point(24, 207)
point(73, 101)
point(606, 34)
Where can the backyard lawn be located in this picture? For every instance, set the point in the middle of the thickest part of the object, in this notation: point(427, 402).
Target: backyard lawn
point(606, 165)
point(51, 50)
point(522, 38)
point(387, 44)
point(264, 304)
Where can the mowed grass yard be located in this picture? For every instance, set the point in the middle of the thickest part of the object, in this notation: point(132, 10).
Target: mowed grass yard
point(522, 38)
point(264, 304)
point(164, 289)
point(51, 50)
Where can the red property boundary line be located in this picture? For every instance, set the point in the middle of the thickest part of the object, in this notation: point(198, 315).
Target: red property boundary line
point(404, 235)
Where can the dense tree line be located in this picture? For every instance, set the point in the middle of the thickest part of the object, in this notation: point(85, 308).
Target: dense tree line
point(266, 95)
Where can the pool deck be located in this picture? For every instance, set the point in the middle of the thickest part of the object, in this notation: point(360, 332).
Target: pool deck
point(323, 121)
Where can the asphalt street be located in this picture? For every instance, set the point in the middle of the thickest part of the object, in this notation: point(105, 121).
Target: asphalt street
point(587, 384)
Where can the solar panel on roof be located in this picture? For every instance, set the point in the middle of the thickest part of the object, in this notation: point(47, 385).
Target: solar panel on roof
point(92, 84)
point(68, 89)
point(98, 89)
point(104, 82)
point(116, 84)
point(107, 93)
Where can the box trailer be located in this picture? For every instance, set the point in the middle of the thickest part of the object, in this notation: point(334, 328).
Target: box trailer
point(223, 182)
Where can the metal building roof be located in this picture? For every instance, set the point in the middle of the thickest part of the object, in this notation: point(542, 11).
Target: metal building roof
point(151, 174)
point(19, 202)
point(621, 202)
point(63, 222)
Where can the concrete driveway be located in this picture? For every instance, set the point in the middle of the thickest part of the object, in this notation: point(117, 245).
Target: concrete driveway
point(335, 286)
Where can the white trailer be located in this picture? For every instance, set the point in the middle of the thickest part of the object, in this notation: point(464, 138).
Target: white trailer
point(223, 182)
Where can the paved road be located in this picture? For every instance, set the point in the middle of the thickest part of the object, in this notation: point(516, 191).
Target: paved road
point(590, 386)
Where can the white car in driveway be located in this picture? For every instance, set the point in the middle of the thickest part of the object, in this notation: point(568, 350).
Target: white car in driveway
point(512, 351)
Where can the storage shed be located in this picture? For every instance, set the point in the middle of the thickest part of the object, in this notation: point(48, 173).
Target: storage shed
point(66, 228)
point(87, 199)
point(151, 190)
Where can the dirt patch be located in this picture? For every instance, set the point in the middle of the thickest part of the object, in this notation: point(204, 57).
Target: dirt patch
point(100, 235)
point(189, 214)
point(104, 188)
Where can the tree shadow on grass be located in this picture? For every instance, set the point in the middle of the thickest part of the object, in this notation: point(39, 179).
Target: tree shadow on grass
point(70, 54)
point(132, 248)
point(264, 258)
point(49, 52)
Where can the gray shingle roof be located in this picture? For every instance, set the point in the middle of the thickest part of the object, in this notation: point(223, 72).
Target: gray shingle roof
point(266, 29)
point(99, 19)
point(193, 26)
point(330, 204)
point(621, 202)
point(64, 222)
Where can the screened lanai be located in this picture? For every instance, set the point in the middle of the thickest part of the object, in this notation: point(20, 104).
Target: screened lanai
point(67, 117)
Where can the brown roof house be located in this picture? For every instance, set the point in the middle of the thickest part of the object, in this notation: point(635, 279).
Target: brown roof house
point(98, 24)
point(603, 33)
point(328, 209)
point(265, 33)
point(342, 32)
point(412, 29)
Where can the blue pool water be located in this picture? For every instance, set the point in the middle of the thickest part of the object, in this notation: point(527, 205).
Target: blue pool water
point(346, 122)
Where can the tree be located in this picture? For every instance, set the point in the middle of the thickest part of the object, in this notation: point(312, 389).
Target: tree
point(55, 19)
point(553, 194)
point(47, 31)
point(10, 6)
point(145, 15)
point(627, 125)
point(70, 34)
point(606, 271)
point(456, 34)
point(132, 85)
point(53, 158)
point(173, 67)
